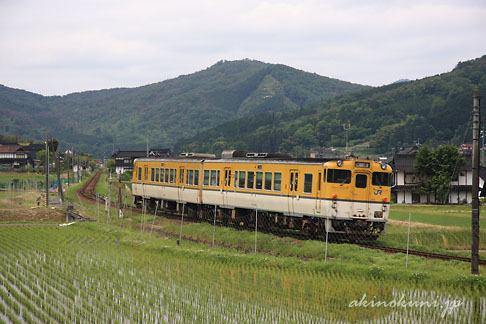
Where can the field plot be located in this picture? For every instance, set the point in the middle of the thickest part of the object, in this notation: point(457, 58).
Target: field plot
point(94, 273)
point(433, 228)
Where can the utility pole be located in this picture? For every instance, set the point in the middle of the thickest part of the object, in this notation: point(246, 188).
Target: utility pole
point(346, 130)
point(47, 170)
point(58, 173)
point(475, 187)
point(109, 194)
point(68, 165)
point(119, 195)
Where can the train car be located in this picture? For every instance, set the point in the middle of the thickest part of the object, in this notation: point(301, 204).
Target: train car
point(348, 197)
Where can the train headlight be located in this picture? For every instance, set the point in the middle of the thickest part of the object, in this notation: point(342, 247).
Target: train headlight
point(339, 163)
point(383, 166)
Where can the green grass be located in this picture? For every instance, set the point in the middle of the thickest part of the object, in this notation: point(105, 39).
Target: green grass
point(127, 275)
point(436, 219)
point(7, 177)
point(433, 228)
point(102, 189)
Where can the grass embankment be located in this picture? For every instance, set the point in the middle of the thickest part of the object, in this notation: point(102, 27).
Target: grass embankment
point(342, 255)
point(102, 189)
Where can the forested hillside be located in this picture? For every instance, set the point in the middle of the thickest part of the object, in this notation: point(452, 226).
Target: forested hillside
point(162, 113)
point(434, 110)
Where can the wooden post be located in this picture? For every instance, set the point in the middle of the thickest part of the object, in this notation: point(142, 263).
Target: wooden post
point(47, 170)
point(58, 173)
point(119, 195)
point(475, 187)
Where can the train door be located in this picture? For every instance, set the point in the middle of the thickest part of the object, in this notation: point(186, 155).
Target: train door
point(318, 193)
point(293, 190)
point(227, 189)
point(361, 193)
point(180, 184)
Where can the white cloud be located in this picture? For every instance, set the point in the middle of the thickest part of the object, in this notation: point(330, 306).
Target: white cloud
point(57, 47)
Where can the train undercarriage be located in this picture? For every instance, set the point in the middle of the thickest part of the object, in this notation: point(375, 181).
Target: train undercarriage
point(313, 227)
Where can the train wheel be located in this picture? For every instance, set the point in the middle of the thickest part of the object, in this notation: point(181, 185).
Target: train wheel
point(309, 229)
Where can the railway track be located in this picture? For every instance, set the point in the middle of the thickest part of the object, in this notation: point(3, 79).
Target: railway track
point(87, 193)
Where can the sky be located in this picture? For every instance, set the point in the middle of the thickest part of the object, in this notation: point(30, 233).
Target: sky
point(59, 47)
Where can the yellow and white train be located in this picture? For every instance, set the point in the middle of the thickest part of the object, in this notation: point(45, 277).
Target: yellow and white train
point(340, 196)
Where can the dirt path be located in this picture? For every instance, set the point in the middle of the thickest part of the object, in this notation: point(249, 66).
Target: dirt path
point(20, 210)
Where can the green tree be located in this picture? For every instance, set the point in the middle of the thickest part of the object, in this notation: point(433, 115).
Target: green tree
point(110, 164)
point(437, 169)
point(41, 156)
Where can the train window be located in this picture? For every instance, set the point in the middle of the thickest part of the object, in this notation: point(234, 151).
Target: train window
point(181, 177)
point(162, 175)
point(277, 184)
point(339, 176)
point(268, 180)
point(187, 177)
point(157, 174)
point(217, 180)
point(381, 179)
point(190, 174)
point(139, 174)
point(361, 180)
point(319, 182)
point(145, 173)
point(308, 183)
point(196, 177)
point(251, 179)
point(166, 175)
point(259, 181)
point(152, 174)
point(175, 175)
point(291, 181)
point(241, 179)
point(296, 186)
point(171, 176)
point(324, 176)
point(236, 178)
point(213, 178)
point(206, 178)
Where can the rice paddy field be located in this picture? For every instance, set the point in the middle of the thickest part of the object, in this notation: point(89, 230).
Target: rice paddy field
point(124, 270)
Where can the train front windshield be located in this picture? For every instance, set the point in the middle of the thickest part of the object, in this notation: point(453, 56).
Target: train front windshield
point(381, 179)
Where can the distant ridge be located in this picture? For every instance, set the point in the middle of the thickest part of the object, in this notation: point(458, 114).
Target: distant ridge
point(401, 81)
point(433, 110)
point(164, 112)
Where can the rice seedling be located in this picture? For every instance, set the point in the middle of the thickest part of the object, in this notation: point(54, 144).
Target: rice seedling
point(94, 273)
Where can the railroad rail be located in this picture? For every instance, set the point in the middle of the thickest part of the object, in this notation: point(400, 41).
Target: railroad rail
point(87, 193)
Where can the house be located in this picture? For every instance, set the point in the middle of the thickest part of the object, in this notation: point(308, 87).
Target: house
point(32, 155)
point(14, 156)
point(124, 159)
point(406, 189)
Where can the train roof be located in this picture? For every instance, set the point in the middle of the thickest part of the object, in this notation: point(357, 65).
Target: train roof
point(311, 161)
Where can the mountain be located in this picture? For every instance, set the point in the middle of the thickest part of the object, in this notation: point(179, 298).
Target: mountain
point(433, 110)
point(164, 112)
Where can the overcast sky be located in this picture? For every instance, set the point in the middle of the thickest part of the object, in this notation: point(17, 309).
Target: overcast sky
point(59, 47)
